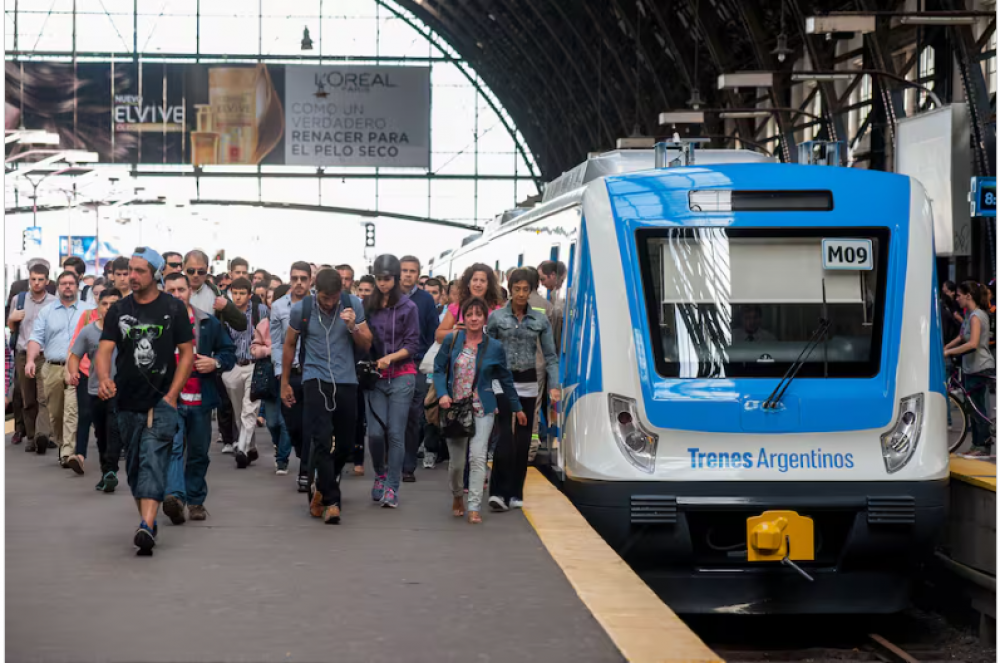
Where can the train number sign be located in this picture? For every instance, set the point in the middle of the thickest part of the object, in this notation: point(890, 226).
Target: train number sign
point(842, 253)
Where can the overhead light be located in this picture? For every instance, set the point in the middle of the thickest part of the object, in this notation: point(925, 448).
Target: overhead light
point(744, 115)
point(740, 79)
point(695, 101)
point(307, 42)
point(781, 51)
point(825, 25)
point(937, 20)
point(682, 117)
point(824, 76)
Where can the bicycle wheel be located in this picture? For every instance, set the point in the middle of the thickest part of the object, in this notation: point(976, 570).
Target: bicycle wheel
point(958, 423)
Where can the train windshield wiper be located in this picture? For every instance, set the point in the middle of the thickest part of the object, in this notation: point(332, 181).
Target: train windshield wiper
point(793, 370)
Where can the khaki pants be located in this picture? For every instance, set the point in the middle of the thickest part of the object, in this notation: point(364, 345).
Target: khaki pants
point(33, 404)
point(245, 411)
point(55, 395)
point(71, 418)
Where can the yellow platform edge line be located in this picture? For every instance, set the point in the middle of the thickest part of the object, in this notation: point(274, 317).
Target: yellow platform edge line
point(641, 625)
point(978, 473)
point(8, 427)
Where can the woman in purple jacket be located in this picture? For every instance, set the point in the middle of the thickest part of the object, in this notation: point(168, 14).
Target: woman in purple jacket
point(394, 321)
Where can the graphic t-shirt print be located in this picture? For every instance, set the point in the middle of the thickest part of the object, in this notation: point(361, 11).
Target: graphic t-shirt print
point(142, 337)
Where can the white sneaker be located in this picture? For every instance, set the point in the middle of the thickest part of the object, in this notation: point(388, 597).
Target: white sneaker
point(497, 504)
point(428, 461)
point(227, 448)
point(516, 503)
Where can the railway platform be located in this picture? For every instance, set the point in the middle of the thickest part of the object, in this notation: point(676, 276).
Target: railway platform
point(262, 581)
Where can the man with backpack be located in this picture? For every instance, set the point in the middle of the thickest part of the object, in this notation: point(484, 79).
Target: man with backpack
point(238, 379)
point(25, 308)
point(332, 325)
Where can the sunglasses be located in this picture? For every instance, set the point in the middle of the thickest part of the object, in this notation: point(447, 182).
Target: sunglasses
point(191, 271)
point(297, 279)
point(151, 332)
point(175, 265)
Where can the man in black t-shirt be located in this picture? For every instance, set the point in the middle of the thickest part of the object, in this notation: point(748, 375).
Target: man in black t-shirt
point(146, 327)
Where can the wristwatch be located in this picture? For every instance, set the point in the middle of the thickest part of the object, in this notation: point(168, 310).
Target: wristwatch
point(218, 364)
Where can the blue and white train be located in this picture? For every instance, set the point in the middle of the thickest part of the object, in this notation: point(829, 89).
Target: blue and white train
point(745, 342)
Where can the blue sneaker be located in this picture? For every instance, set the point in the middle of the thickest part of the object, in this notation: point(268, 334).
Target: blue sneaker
point(378, 490)
point(389, 499)
point(145, 538)
point(110, 482)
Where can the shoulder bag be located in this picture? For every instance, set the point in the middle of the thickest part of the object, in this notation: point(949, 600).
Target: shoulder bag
point(459, 421)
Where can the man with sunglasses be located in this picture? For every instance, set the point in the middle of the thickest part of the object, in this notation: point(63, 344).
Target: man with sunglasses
point(146, 328)
point(300, 280)
point(173, 263)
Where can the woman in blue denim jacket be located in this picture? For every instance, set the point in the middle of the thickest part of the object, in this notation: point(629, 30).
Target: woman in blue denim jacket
point(473, 361)
point(521, 330)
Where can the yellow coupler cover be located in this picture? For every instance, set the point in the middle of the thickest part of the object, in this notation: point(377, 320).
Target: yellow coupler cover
point(772, 533)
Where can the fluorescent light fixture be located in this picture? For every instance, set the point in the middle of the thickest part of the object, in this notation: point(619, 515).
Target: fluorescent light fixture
point(739, 79)
point(79, 156)
point(744, 115)
point(824, 25)
point(682, 117)
point(829, 76)
point(937, 20)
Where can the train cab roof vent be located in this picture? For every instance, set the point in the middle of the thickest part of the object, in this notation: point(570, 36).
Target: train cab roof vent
point(890, 510)
point(653, 510)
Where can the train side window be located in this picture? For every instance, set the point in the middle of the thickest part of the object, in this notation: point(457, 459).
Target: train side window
point(554, 253)
point(569, 268)
point(520, 260)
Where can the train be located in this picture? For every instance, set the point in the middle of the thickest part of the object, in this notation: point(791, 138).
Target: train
point(753, 411)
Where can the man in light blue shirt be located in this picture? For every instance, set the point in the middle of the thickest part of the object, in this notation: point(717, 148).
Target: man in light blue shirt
point(51, 334)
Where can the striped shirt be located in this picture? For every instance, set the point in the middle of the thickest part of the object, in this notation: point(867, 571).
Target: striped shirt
point(242, 339)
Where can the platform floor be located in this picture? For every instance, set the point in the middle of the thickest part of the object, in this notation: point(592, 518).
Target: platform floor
point(262, 581)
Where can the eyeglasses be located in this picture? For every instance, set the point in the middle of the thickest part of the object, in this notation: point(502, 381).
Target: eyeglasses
point(297, 279)
point(191, 271)
point(175, 265)
point(151, 332)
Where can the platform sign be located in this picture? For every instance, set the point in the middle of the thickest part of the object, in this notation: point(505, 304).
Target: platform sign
point(847, 254)
point(984, 196)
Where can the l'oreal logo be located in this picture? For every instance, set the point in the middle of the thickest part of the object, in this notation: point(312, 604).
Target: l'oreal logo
point(352, 81)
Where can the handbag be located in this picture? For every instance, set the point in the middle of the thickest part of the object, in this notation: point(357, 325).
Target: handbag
point(459, 421)
point(263, 384)
point(368, 374)
point(432, 411)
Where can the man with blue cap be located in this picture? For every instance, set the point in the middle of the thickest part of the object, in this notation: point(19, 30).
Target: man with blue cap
point(148, 327)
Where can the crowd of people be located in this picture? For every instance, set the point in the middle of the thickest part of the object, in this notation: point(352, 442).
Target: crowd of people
point(407, 366)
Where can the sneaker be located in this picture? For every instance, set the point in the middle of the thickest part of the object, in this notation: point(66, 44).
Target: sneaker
point(100, 485)
point(378, 490)
point(144, 539)
point(389, 499)
point(197, 512)
point(409, 477)
point(331, 515)
point(75, 463)
point(316, 505)
point(41, 444)
point(516, 503)
point(173, 508)
point(110, 482)
point(227, 448)
point(497, 504)
point(428, 461)
point(303, 484)
point(16, 439)
point(241, 460)
point(282, 469)
point(30, 446)
point(253, 455)
point(975, 453)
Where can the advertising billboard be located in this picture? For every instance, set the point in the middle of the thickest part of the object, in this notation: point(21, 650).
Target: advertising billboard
point(246, 114)
point(86, 247)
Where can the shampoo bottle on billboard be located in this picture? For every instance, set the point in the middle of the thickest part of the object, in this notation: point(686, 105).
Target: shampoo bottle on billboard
point(245, 111)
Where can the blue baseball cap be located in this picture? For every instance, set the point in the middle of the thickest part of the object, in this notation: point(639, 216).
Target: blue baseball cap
point(155, 260)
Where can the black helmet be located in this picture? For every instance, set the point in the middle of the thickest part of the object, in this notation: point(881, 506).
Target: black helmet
point(386, 265)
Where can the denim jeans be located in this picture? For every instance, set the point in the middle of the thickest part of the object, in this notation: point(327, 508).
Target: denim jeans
point(279, 432)
point(186, 476)
point(978, 387)
point(389, 401)
point(147, 449)
point(109, 441)
point(415, 423)
point(85, 418)
point(295, 425)
point(477, 461)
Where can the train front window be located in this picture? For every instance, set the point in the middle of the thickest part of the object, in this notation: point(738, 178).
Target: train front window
point(744, 302)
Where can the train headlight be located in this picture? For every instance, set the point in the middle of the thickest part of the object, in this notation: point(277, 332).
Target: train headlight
point(899, 443)
point(638, 444)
